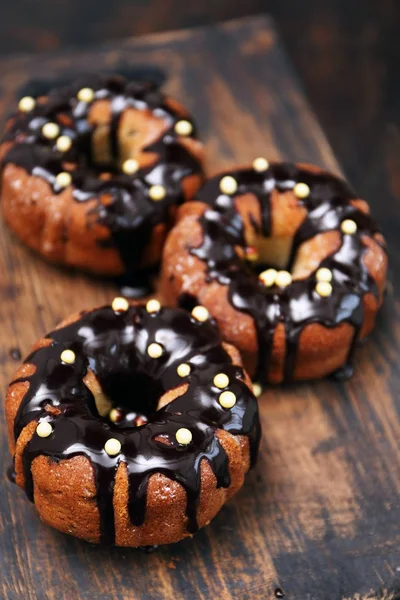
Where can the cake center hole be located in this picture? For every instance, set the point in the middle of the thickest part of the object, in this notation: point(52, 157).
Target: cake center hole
point(122, 135)
point(126, 398)
point(264, 253)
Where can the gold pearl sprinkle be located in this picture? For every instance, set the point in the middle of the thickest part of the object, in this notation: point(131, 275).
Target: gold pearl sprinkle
point(130, 166)
point(68, 357)
point(153, 306)
point(44, 429)
point(200, 313)
point(120, 304)
point(221, 381)
point(283, 279)
point(154, 350)
point(301, 190)
point(227, 399)
point(114, 415)
point(251, 254)
point(63, 179)
point(50, 130)
point(324, 274)
point(183, 370)
point(184, 436)
point(348, 226)
point(268, 277)
point(85, 95)
point(183, 127)
point(157, 192)
point(63, 143)
point(26, 104)
point(228, 185)
point(260, 164)
point(323, 288)
point(257, 390)
point(112, 447)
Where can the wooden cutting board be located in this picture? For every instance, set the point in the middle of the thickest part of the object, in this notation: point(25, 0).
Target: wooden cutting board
point(319, 517)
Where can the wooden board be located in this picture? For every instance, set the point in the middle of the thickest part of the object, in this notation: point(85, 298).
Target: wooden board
point(319, 517)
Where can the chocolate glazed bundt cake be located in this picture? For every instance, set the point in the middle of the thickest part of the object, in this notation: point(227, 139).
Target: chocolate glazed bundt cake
point(288, 261)
point(132, 424)
point(92, 173)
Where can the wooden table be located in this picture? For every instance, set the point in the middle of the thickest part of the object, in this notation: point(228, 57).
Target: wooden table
point(319, 517)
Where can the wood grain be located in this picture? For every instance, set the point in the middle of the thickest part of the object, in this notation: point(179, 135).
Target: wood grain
point(320, 515)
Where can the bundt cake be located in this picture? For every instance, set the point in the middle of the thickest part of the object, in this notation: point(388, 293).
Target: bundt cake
point(92, 174)
point(132, 425)
point(287, 260)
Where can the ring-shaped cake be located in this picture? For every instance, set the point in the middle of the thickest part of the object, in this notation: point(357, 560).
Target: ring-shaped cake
point(132, 424)
point(287, 260)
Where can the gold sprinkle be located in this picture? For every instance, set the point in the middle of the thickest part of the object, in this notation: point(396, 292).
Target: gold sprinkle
point(157, 192)
point(68, 357)
point(184, 436)
point(26, 104)
point(112, 447)
point(183, 370)
point(283, 279)
point(154, 350)
point(228, 185)
point(323, 288)
point(63, 179)
point(268, 277)
point(260, 164)
point(200, 313)
point(114, 415)
point(301, 190)
point(324, 274)
point(183, 127)
point(85, 95)
point(348, 226)
point(227, 399)
point(251, 253)
point(153, 306)
point(120, 304)
point(257, 390)
point(130, 166)
point(44, 429)
point(221, 381)
point(63, 143)
point(50, 130)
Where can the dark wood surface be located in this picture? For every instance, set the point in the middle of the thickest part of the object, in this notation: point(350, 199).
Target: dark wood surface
point(319, 517)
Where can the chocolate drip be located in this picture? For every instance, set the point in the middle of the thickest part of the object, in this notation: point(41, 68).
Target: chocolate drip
point(130, 215)
point(297, 305)
point(114, 347)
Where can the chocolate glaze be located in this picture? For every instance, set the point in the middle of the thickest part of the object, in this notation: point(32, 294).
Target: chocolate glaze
point(114, 347)
point(297, 305)
point(131, 215)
